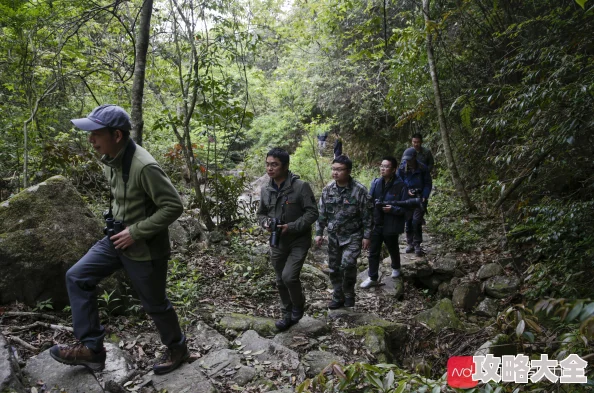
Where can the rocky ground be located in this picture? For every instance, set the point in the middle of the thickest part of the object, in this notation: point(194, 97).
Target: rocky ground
point(444, 305)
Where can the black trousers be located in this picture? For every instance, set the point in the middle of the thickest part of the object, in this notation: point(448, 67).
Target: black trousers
point(375, 249)
point(148, 279)
point(414, 228)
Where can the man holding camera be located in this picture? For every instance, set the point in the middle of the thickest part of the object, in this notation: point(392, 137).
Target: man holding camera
point(345, 210)
point(143, 203)
point(388, 219)
point(287, 209)
point(417, 178)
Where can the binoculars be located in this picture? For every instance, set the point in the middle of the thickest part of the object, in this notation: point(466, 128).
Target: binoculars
point(112, 227)
point(273, 224)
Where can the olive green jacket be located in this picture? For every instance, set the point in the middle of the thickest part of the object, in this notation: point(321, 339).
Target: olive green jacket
point(150, 205)
point(294, 204)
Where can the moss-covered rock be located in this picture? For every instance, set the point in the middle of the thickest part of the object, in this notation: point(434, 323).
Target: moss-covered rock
point(44, 230)
point(242, 323)
point(441, 316)
point(374, 341)
point(502, 286)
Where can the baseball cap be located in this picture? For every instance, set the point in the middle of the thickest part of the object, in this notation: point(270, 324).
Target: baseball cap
point(409, 154)
point(106, 115)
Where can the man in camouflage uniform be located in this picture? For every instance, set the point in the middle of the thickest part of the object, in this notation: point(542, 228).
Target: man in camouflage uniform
point(345, 210)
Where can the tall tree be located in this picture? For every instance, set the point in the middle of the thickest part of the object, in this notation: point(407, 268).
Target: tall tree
point(142, 44)
point(445, 135)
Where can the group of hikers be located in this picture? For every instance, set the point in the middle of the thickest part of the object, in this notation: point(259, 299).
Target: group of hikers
point(144, 202)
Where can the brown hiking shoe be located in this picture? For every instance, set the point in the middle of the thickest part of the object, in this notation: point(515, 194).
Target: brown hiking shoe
point(171, 359)
point(79, 355)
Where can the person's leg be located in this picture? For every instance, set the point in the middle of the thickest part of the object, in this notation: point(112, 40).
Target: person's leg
point(292, 270)
point(375, 250)
point(393, 249)
point(417, 227)
point(334, 262)
point(408, 229)
point(278, 258)
point(81, 282)
point(350, 253)
point(149, 279)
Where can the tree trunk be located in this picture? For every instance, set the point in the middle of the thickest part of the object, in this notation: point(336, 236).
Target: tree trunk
point(142, 43)
point(445, 137)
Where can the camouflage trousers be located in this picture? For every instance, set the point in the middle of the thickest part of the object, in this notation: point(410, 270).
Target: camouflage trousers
point(342, 262)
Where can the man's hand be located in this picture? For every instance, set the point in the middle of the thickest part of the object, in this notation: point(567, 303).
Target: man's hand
point(366, 243)
point(285, 228)
point(122, 240)
point(387, 209)
point(319, 241)
point(411, 192)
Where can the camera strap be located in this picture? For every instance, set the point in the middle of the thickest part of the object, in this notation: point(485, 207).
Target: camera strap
point(126, 164)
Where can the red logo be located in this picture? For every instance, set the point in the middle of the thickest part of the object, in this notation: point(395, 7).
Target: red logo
point(460, 370)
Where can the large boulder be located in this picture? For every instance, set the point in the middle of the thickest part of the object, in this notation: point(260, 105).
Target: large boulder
point(466, 295)
point(490, 270)
point(502, 286)
point(441, 316)
point(10, 373)
point(44, 230)
point(315, 362)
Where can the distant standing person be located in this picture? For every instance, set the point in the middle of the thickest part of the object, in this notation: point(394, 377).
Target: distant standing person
point(345, 211)
point(289, 204)
point(322, 141)
point(423, 154)
point(417, 178)
point(146, 202)
point(337, 146)
point(388, 221)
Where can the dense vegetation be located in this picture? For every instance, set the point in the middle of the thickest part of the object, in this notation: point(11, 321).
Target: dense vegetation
point(227, 80)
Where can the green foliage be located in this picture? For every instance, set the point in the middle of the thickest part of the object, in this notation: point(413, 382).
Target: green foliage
point(251, 272)
point(225, 200)
point(559, 235)
point(44, 305)
point(183, 289)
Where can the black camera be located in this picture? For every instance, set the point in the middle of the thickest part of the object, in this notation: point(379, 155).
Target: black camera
point(411, 203)
point(112, 227)
point(274, 225)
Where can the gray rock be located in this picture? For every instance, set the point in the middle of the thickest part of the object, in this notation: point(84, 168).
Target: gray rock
point(227, 363)
point(374, 339)
point(431, 282)
point(72, 379)
point(487, 308)
point(396, 333)
point(490, 270)
point(118, 366)
point(241, 322)
point(502, 286)
point(313, 278)
point(178, 234)
point(208, 339)
point(466, 294)
point(188, 378)
point(445, 289)
point(215, 237)
point(307, 327)
point(441, 316)
point(267, 350)
point(192, 226)
point(44, 230)
point(446, 265)
point(415, 268)
point(394, 287)
point(10, 373)
point(315, 361)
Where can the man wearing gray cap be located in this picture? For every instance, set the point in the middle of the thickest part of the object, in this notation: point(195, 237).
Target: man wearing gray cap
point(143, 203)
point(417, 178)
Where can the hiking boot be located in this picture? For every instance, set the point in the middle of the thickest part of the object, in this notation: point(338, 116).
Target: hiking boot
point(79, 355)
point(297, 313)
point(172, 359)
point(409, 249)
point(285, 323)
point(335, 304)
point(395, 273)
point(349, 302)
point(418, 251)
point(368, 283)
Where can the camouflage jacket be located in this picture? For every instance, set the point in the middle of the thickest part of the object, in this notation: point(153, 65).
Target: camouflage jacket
point(345, 212)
